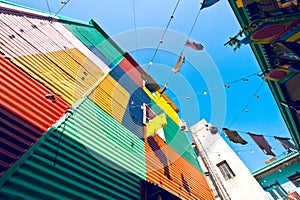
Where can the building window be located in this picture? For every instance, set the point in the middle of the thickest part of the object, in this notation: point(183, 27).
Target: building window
point(225, 170)
point(277, 193)
point(295, 179)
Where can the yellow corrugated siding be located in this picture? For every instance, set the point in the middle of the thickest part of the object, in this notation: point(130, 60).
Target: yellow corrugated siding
point(155, 124)
point(111, 97)
point(163, 104)
point(77, 70)
point(65, 77)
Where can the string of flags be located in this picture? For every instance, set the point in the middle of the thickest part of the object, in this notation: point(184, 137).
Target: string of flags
point(262, 143)
point(259, 140)
point(194, 45)
point(233, 136)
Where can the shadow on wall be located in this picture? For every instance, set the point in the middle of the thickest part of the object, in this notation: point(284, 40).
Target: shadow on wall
point(185, 184)
point(160, 154)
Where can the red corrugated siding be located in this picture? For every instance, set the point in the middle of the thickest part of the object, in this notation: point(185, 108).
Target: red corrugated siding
point(134, 63)
point(132, 72)
point(25, 112)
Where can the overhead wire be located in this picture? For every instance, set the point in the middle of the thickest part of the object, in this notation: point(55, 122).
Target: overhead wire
point(135, 31)
point(186, 96)
point(49, 10)
point(162, 37)
point(64, 4)
point(192, 29)
point(188, 37)
point(246, 106)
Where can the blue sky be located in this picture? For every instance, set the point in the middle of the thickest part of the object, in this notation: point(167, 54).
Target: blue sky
point(207, 71)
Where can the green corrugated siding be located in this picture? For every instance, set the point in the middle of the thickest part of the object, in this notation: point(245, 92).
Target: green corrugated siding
point(177, 139)
point(91, 37)
point(180, 143)
point(102, 134)
point(64, 167)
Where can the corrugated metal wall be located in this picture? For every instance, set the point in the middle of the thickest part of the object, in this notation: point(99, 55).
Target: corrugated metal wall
point(98, 150)
point(179, 142)
point(174, 137)
point(111, 97)
point(156, 124)
point(68, 37)
point(97, 42)
point(164, 105)
point(104, 136)
point(63, 69)
point(25, 114)
point(133, 117)
point(170, 171)
point(123, 79)
point(88, 156)
point(130, 69)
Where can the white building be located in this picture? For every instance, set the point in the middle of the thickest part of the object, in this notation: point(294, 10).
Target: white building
point(226, 171)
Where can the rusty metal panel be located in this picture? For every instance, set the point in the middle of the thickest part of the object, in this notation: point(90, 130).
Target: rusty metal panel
point(172, 172)
point(26, 113)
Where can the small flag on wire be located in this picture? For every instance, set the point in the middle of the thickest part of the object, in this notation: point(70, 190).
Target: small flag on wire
point(233, 136)
point(208, 3)
point(164, 89)
point(194, 45)
point(179, 63)
point(286, 143)
point(262, 143)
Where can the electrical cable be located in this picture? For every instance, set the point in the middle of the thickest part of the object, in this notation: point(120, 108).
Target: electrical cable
point(246, 106)
point(64, 4)
point(193, 26)
point(162, 37)
point(48, 7)
point(135, 31)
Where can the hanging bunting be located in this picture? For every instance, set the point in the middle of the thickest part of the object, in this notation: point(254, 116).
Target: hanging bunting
point(179, 63)
point(164, 89)
point(208, 3)
point(194, 45)
point(286, 143)
point(233, 136)
point(262, 143)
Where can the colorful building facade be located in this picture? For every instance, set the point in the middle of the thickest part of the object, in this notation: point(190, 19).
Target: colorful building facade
point(228, 175)
point(281, 178)
point(80, 119)
point(272, 29)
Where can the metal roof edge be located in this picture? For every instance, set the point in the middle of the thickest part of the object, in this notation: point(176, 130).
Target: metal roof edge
point(258, 51)
point(93, 22)
point(24, 9)
point(6, 5)
point(72, 20)
point(276, 163)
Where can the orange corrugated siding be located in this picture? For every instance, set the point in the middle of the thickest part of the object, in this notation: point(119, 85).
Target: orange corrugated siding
point(64, 70)
point(172, 172)
point(111, 97)
point(25, 112)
